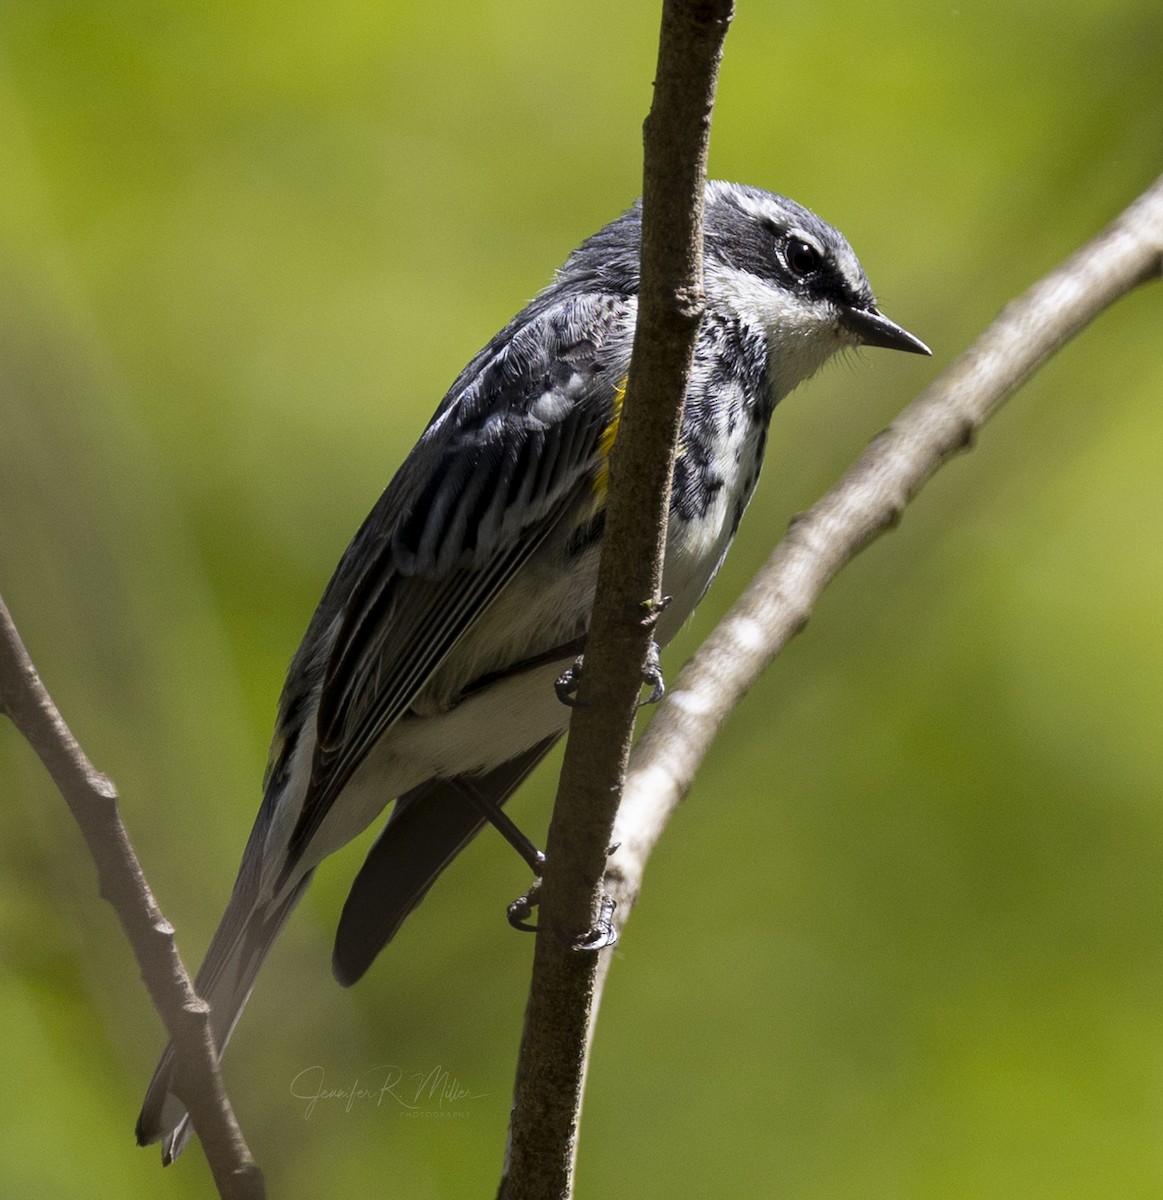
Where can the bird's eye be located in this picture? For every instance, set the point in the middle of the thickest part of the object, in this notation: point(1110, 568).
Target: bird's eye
point(802, 258)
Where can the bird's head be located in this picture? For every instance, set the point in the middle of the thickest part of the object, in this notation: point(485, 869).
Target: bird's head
point(782, 268)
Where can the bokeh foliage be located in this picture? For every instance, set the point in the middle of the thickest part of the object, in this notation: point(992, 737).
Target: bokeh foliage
point(904, 940)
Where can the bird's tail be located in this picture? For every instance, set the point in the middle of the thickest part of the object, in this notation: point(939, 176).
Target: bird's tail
point(237, 951)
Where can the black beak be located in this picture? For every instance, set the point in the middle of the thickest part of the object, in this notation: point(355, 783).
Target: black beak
point(875, 329)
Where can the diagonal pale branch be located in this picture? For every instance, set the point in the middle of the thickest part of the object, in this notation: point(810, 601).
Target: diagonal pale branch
point(92, 799)
point(867, 502)
point(551, 1069)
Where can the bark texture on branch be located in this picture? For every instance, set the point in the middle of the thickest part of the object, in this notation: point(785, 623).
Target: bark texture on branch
point(554, 1049)
point(92, 799)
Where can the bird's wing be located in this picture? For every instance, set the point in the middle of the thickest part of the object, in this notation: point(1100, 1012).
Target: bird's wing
point(521, 435)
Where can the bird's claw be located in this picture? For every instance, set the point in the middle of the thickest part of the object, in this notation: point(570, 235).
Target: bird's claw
point(652, 676)
point(522, 908)
point(567, 683)
point(603, 934)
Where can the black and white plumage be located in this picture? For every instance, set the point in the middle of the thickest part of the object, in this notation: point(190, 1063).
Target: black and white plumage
point(426, 674)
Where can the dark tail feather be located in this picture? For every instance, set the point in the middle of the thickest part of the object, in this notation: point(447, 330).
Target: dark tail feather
point(237, 951)
point(428, 828)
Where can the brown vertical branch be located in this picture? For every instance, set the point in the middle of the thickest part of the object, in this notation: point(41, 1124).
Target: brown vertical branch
point(92, 799)
point(551, 1070)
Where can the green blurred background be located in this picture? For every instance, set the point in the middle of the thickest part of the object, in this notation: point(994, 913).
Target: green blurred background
point(906, 937)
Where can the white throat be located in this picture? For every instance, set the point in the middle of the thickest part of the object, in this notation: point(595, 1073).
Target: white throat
point(801, 334)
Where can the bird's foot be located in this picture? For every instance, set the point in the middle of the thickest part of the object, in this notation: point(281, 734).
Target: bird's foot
point(599, 937)
point(652, 676)
point(522, 908)
point(567, 683)
point(603, 934)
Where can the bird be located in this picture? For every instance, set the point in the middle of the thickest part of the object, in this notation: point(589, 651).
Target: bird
point(433, 671)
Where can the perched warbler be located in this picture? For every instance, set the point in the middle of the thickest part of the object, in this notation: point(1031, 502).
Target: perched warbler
point(427, 674)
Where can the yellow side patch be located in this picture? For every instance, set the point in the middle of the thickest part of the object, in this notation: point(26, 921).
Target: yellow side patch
point(607, 440)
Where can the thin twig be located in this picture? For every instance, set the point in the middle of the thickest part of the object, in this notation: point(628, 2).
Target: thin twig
point(551, 1069)
point(92, 799)
point(867, 502)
